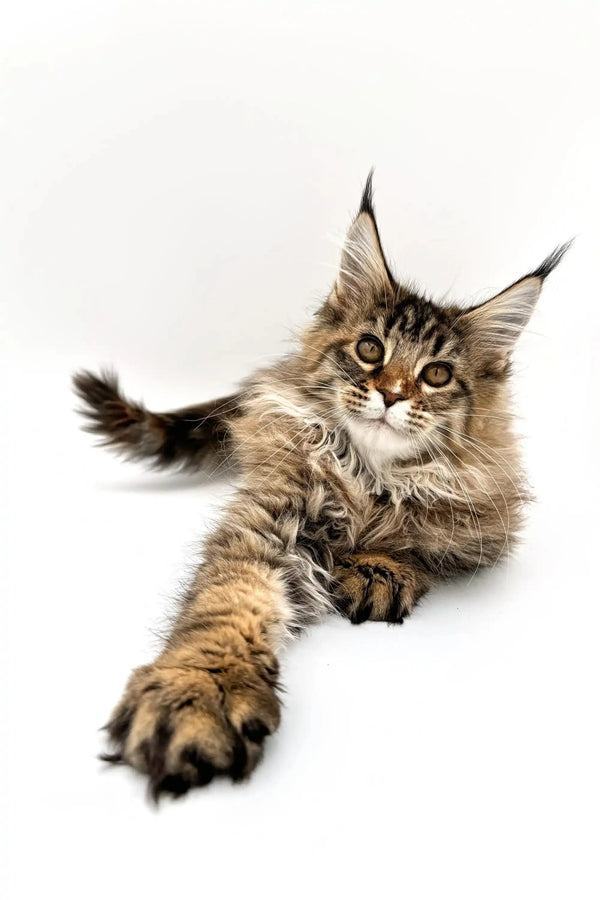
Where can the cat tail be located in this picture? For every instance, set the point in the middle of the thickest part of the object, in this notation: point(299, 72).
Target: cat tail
point(187, 438)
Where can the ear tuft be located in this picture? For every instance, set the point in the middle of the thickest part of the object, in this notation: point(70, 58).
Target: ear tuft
point(551, 262)
point(366, 201)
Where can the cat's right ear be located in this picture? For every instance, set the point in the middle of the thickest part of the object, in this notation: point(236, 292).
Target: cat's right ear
point(363, 272)
point(495, 325)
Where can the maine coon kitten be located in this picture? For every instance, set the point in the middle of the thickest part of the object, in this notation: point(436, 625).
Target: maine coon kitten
point(373, 461)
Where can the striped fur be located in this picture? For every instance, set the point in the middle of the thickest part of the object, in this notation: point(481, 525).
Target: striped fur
point(187, 438)
point(360, 485)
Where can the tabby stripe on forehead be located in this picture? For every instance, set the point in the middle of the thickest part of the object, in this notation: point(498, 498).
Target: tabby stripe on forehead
point(419, 317)
point(439, 343)
point(390, 320)
point(407, 316)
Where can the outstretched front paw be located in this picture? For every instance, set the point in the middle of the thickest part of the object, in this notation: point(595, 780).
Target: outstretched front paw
point(376, 587)
point(184, 719)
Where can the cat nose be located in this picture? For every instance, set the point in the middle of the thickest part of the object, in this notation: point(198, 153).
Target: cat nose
point(390, 398)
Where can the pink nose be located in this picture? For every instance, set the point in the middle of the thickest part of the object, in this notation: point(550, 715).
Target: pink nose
point(389, 398)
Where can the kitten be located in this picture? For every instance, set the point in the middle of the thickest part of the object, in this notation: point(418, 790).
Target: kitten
point(374, 460)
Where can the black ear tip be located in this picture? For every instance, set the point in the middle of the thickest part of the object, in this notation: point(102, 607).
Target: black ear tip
point(551, 261)
point(366, 201)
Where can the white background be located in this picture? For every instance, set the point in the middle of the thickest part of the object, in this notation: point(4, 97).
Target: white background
point(174, 178)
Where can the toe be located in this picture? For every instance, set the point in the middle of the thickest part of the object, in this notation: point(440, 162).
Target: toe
point(361, 612)
point(201, 771)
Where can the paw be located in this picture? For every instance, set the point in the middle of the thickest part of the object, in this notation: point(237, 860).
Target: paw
point(181, 721)
point(372, 586)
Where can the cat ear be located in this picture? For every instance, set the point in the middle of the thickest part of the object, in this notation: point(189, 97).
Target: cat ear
point(363, 269)
point(496, 324)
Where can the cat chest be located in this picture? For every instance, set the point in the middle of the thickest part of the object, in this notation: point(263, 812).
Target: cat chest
point(344, 516)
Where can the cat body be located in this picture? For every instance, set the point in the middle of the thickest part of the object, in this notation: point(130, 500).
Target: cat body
point(374, 460)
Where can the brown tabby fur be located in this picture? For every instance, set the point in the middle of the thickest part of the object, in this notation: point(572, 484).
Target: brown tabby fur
point(344, 505)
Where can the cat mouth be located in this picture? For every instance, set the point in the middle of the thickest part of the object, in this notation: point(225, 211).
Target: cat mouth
point(379, 439)
point(383, 425)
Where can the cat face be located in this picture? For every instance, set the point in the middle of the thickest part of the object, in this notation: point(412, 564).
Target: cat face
point(405, 380)
point(401, 374)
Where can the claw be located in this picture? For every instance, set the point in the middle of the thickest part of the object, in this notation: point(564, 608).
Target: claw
point(255, 730)
point(176, 785)
point(205, 770)
point(240, 758)
point(110, 757)
point(362, 613)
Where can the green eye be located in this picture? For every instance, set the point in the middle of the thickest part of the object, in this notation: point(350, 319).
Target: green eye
point(436, 374)
point(370, 349)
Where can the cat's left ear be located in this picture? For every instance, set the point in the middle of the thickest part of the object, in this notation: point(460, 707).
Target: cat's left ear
point(495, 325)
point(363, 272)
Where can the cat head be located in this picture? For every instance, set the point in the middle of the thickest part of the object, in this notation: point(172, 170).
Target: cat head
point(400, 373)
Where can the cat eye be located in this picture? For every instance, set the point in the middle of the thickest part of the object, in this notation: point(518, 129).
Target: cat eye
point(436, 374)
point(370, 349)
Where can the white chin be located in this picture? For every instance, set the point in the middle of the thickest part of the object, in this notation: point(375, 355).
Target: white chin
point(378, 442)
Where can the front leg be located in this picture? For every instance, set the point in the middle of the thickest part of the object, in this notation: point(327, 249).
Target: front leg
point(207, 703)
point(379, 587)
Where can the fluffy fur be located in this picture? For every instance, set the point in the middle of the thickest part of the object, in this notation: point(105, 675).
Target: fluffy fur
point(361, 483)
